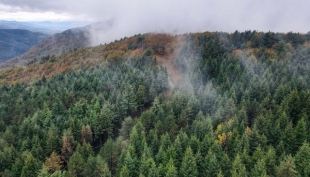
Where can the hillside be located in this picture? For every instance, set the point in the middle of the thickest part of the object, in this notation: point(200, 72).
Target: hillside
point(198, 104)
point(14, 42)
point(68, 40)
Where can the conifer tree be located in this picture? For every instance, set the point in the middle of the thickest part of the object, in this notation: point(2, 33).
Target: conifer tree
point(302, 160)
point(53, 163)
point(188, 166)
point(31, 166)
point(96, 166)
point(259, 169)
point(238, 168)
point(75, 165)
point(171, 170)
point(287, 167)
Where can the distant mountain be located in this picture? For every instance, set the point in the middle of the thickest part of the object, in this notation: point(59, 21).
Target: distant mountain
point(14, 42)
point(58, 43)
point(68, 40)
point(58, 26)
point(26, 26)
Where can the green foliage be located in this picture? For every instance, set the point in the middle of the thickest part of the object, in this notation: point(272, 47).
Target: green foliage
point(239, 106)
point(287, 167)
point(31, 166)
point(75, 165)
point(188, 167)
point(96, 166)
point(302, 160)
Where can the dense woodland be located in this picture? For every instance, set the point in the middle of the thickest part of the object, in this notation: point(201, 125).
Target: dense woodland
point(242, 108)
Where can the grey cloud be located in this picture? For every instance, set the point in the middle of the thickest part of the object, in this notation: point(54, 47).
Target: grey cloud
point(141, 16)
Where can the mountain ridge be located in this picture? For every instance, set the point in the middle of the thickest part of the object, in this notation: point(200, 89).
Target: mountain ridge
point(14, 42)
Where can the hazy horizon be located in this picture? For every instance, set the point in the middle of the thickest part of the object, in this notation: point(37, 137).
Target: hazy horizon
point(174, 16)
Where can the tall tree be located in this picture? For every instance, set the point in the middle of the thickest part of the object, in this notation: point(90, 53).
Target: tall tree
point(96, 166)
point(53, 163)
point(188, 166)
point(238, 168)
point(287, 167)
point(75, 165)
point(302, 160)
point(31, 166)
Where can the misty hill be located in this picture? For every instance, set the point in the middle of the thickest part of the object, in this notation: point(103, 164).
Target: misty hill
point(14, 42)
point(238, 105)
point(68, 40)
point(71, 39)
point(26, 26)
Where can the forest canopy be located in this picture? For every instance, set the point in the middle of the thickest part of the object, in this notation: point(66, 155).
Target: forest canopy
point(240, 107)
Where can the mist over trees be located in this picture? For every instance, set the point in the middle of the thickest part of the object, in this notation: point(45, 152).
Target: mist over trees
point(241, 108)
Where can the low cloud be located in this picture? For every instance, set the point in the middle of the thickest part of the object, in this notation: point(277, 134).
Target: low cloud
point(176, 16)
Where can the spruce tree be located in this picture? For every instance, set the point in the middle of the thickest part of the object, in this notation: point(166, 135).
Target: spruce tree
point(188, 166)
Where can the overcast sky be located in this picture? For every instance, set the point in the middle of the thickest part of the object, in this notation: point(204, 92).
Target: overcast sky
point(140, 16)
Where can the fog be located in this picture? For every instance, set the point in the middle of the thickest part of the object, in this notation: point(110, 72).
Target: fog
point(173, 16)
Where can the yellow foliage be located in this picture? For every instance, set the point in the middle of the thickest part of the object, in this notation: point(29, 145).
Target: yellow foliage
point(222, 138)
point(248, 130)
point(218, 128)
point(53, 163)
point(271, 54)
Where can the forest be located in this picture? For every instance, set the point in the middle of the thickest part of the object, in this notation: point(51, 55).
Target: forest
point(241, 108)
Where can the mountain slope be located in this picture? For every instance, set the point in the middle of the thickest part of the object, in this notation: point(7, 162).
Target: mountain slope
point(58, 43)
point(240, 106)
point(14, 42)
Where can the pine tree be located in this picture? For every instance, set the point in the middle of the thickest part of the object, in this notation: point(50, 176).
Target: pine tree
point(171, 170)
point(270, 161)
point(110, 154)
point(85, 150)
point(127, 125)
point(225, 164)
point(96, 166)
point(141, 96)
point(188, 166)
point(131, 164)
point(86, 134)
point(31, 166)
point(259, 169)
point(238, 168)
point(287, 167)
point(300, 134)
point(124, 172)
point(302, 160)
point(66, 150)
point(52, 140)
point(212, 165)
point(42, 173)
point(169, 154)
point(53, 163)
point(75, 165)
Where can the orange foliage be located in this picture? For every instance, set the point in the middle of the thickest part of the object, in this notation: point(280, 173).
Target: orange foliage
point(88, 57)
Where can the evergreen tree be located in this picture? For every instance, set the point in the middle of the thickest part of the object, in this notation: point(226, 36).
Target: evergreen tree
point(53, 163)
point(66, 150)
point(86, 134)
point(287, 167)
point(300, 132)
point(110, 154)
point(31, 166)
point(212, 165)
point(259, 169)
point(238, 168)
point(171, 170)
point(75, 165)
point(96, 166)
point(188, 166)
point(302, 160)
